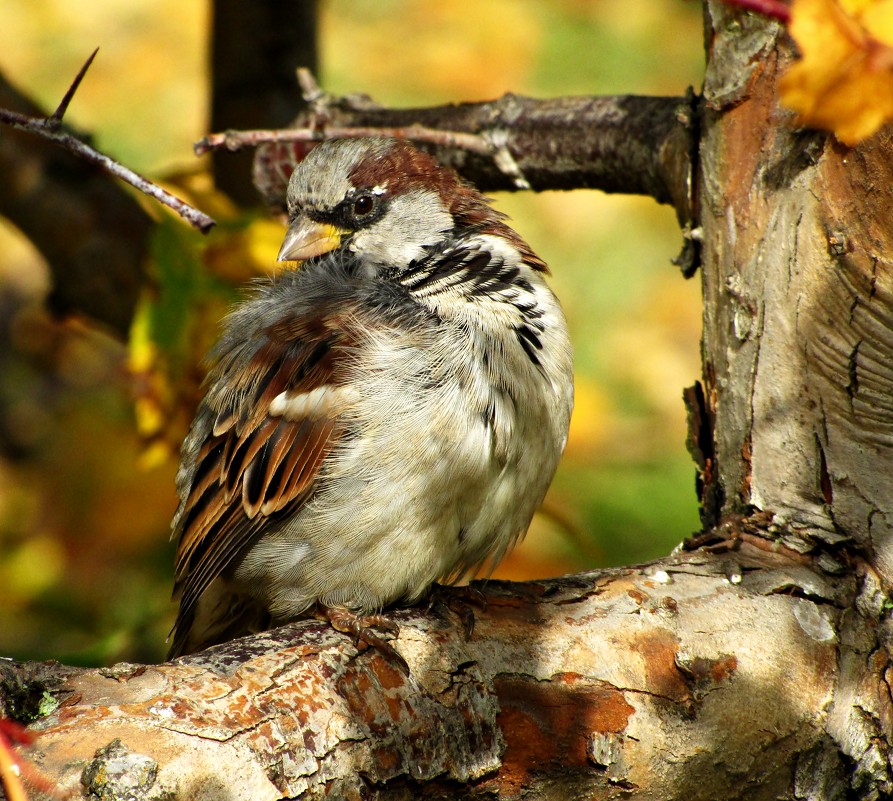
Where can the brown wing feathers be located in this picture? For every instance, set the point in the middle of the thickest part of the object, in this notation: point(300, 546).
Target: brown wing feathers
point(254, 467)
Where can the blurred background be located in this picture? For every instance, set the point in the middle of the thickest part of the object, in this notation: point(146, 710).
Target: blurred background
point(89, 423)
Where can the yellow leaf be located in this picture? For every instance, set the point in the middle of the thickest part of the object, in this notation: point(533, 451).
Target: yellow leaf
point(243, 253)
point(152, 394)
point(844, 80)
point(878, 19)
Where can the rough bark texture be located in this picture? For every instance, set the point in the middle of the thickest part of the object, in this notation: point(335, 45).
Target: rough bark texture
point(798, 319)
point(705, 677)
point(797, 234)
point(757, 667)
point(630, 144)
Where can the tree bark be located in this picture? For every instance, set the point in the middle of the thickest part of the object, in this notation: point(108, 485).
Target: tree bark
point(755, 665)
point(627, 143)
point(673, 681)
point(797, 296)
point(796, 234)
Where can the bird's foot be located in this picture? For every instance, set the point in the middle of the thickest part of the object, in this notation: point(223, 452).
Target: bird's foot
point(360, 627)
point(462, 602)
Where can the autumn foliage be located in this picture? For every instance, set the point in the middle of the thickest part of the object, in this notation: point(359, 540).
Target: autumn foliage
point(843, 81)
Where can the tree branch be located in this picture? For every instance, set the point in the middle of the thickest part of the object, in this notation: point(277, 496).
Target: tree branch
point(615, 683)
point(51, 128)
point(630, 144)
point(79, 218)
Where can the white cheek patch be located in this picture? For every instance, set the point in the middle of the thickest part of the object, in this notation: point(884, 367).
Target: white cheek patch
point(412, 221)
point(324, 401)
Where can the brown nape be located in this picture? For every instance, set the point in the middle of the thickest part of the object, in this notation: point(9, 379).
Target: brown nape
point(471, 209)
point(403, 168)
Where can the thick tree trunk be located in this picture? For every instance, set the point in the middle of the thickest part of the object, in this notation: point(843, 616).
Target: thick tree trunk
point(755, 667)
point(255, 48)
point(797, 238)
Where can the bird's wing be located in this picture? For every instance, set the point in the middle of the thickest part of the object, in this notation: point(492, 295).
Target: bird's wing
point(270, 418)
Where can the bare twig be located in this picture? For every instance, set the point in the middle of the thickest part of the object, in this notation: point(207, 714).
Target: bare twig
point(491, 144)
point(43, 127)
point(236, 140)
point(488, 143)
point(51, 128)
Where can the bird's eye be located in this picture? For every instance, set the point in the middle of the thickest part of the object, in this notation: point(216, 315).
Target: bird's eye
point(363, 205)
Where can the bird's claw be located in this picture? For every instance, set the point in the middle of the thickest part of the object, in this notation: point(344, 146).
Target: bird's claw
point(361, 629)
point(462, 602)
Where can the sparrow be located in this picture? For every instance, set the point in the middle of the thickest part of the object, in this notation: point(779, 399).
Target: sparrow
point(384, 416)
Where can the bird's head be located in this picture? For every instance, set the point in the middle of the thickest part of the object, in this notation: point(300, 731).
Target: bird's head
point(382, 200)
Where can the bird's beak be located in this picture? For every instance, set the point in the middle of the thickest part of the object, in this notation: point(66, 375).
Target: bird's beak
point(306, 238)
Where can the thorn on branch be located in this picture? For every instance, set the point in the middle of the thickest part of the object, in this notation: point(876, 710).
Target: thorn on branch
point(311, 91)
point(51, 128)
point(54, 121)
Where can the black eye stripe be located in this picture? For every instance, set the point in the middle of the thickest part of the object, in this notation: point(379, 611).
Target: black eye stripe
point(346, 215)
